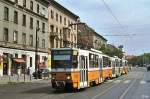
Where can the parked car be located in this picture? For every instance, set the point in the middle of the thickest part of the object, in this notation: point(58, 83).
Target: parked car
point(148, 68)
point(41, 73)
point(45, 72)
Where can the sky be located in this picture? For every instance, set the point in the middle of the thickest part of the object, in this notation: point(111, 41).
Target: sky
point(133, 26)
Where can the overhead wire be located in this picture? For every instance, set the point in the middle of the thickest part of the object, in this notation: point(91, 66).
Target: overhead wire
point(114, 16)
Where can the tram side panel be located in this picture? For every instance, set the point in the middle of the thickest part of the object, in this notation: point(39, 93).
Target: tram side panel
point(107, 68)
point(94, 75)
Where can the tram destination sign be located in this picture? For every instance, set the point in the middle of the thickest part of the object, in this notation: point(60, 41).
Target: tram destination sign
point(62, 52)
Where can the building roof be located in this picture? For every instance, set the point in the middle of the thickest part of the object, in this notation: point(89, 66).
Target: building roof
point(100, 36)
point(53, 2)
point(97, 34)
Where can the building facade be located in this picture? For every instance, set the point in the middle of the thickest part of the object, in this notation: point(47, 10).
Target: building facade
point(98, 40)
point(23, 30)
point(88, 38)
point(62, 26)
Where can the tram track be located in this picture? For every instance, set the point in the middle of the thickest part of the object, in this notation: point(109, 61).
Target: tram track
point(115, 85)
point(106, 85)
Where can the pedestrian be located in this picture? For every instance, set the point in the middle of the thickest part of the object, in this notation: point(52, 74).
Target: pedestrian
point(28, 71)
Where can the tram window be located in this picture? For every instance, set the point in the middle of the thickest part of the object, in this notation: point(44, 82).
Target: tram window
point(61, 64)
point(121, 64)
point(125, 63)
point(91, 60)
point(96, 61)
point(109, 63)
point(106, 62)
point(117, 63)
point(75, 61)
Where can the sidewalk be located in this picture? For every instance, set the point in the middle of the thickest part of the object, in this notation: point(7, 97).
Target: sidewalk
point(21, 79)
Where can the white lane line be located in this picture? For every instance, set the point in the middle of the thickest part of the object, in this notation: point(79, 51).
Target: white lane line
point(126, 91)
point(142, 82)
point(117, 81)
point(127, 81)
point(105, 91)
point(145, 96)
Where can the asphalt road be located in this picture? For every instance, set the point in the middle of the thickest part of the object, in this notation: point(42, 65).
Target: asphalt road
point(135, 85)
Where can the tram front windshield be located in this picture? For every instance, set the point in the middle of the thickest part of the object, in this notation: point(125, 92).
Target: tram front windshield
point(61, 59)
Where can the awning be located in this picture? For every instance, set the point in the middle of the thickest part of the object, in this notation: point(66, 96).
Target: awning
point(19, 60)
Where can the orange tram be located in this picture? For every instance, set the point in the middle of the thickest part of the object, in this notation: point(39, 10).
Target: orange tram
point(78, 68)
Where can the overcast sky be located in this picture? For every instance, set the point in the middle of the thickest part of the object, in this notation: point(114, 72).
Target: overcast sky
point(134, 15)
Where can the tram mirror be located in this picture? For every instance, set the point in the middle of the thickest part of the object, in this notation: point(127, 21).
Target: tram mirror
point(75, 53)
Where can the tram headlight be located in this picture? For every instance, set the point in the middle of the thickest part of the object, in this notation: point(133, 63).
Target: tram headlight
point(53, 78)
point(68, 77)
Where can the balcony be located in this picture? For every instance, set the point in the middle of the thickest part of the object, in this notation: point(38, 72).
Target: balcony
point(53, 34)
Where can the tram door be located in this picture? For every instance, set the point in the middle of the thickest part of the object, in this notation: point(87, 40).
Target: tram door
point(101, 69)
point(83, 71)
point(113, 67)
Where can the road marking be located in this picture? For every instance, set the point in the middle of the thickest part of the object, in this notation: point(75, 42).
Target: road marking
point(127, 81)
point(102, 93)
point(145, 96)
point(117, 81)
point(105, 91)
point(142, 82)
point(126, 91)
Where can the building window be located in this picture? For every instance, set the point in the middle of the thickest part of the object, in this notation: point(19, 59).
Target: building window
point(43, 11)
point(38, 42)
point(43, 27)
point(24, 3)
point(56, 30)
point(23, 20)
point(31, 5)
point(16, 55)
point(71, 24)
point(60, 19)
point(5, 36)
point(6, 14)
point(75, 27)
point(16, 17)
point(60, 33)
point(37, 24)
point(64, 21)
point(52, 28)
point(30, 61)
point(16, 1)
point(75, 38)
point(52, 14)
point(43, 43)
point(38, 8)
point(72, 37)
point(31, 40)
point(15, 36)
point(56, 43)
point(24, 38)
point(31, 23)
point(68, 23)
point(56, 16)
point(68, 34)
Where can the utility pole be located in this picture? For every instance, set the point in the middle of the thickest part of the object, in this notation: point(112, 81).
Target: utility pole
point(36, 51)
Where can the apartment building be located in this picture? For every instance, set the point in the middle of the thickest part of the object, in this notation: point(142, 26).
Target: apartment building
point(89, 38)
point(23, 30)
point(62, 26)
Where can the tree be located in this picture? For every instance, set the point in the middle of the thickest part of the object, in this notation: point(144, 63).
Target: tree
point(141, 60)
point(111, 51)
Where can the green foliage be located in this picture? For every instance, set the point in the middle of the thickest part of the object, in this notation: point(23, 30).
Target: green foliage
point(112, 51)
point(140, 60)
